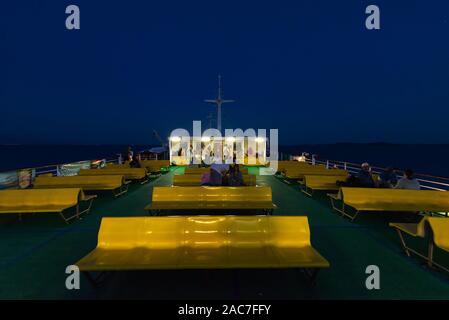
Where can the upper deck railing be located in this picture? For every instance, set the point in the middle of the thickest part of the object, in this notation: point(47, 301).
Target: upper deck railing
point(427, 181)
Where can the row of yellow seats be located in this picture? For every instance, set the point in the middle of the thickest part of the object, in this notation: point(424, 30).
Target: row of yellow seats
point(300, 172)
point(312, 183)
point(439, 236)
point(195, 179)
point(128, 173)
point(203, 242)
point(14, 201)
point(393, 200)
point(114, 183)
point(206, 170)
point(152, 166)
point(282, 166)
point(173, 198)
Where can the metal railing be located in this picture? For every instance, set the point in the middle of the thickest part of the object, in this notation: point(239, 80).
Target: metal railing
point(427, 181)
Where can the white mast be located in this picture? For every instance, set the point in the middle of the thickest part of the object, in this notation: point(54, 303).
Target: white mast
point(219, 101)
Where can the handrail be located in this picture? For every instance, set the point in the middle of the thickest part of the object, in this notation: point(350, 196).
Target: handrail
point(424, 179)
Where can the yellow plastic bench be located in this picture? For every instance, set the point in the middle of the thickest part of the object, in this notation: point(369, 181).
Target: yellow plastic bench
point(323, 183)
point(439, 236)
point(129, 173)
point(154, 166)
point(298, 173)
point(115, 183)
point(44, 201)
point(203, 242)
point(203, 198)
point(195, 179)
point(205, 170)
point(283, 165)
point(400, 200)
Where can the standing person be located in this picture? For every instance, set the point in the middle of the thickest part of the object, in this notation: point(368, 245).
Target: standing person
point(408, 181)
point(135, 162)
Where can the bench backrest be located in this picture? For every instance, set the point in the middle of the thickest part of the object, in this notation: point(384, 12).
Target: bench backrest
point(322, 182)
point(117, 165)
point(205, 170)
point(376, 199)
point(112, 181)
point(195, 179)
point(127, 172)
point(212, 194)
point(440, 229)
point(204, 232)
point(37, 198)
point(300, 172)
point(155, 163)
point(283, 165)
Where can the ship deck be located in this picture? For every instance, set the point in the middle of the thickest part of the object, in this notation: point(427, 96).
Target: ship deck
point(35, 252)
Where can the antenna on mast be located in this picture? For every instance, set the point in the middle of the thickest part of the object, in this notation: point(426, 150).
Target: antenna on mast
point(219, 101)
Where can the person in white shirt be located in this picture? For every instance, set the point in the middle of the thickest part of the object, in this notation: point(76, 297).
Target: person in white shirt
point(408, 181)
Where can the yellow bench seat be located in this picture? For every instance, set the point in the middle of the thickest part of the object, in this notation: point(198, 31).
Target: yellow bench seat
point(167, 198)
point(299, 173)
point(203, 242)
point(400, 200)
point(43, 201)
point(440, 237)
point(167, 205)
point(128, 173)
point(107, 182)
point(319, 182)
point(205, 170)
point(195, 179)
point(440, 229)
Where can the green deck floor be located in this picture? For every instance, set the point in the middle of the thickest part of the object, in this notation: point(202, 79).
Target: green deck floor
point(35, 252)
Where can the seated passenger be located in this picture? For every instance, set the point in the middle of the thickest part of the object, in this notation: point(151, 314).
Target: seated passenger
point(205, 179)
point(364, 177)
point(216, 179)
point(408, 181)
point(135, 163)
point(388, 178)
point(235, 177)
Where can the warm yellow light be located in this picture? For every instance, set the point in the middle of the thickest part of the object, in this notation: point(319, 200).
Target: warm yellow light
point(259, 139)
point(230, 139)
point(205, 139)
point(175, 139)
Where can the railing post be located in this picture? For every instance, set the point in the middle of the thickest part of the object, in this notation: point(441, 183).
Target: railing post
point(345, 165)
point(327, 164)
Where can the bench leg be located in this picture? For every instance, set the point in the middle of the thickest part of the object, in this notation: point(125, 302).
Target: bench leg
point(87, 210)
point(430, 254)
point(144, 180)
point(305, 190)
point(66, 220)
point(122, 190)
point(404, 246)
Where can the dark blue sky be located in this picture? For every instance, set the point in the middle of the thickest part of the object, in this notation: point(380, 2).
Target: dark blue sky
point(308, 68)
